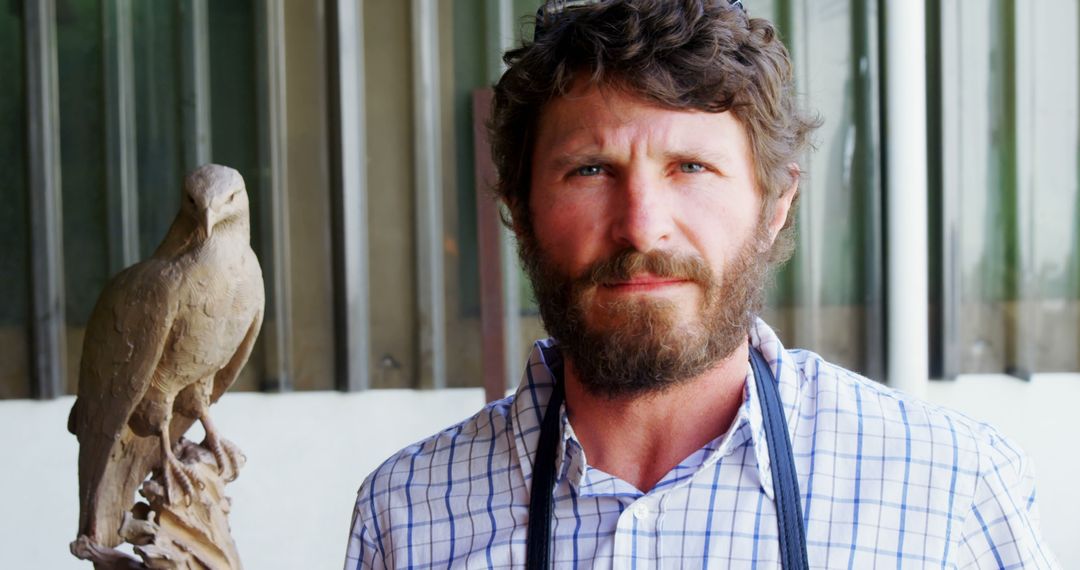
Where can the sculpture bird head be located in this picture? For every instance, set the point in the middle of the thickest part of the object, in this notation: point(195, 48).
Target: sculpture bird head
point(215, 197)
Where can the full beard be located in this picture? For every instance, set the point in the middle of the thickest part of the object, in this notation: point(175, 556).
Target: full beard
point(641, 347)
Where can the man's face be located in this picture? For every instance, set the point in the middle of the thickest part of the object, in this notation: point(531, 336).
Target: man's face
point(648, 242)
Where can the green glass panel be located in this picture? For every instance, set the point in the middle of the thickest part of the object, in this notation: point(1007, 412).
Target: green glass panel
point(466, 63)
point(524, 17)
point(470, 73)
point(14, 231)
point(82, 155)
point(14, 228)
point(980, 174)
point(157, 119)
point(1047, 143)
point(998, 266)
point(234, 140)
point(780, 296)
point(827, 298)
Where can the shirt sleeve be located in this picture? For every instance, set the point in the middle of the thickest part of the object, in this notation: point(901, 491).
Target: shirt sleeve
point(363, 552)
point(1002, 527)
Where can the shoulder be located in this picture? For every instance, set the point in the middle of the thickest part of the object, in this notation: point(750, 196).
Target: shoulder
point(897, 435)
point(874, 409)
point(479, 436)
point(973, 483)
point(464, 463)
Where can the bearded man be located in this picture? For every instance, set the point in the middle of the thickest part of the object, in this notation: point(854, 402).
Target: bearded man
point(647, 153)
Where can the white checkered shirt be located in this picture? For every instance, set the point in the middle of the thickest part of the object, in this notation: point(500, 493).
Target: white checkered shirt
point(886, 481)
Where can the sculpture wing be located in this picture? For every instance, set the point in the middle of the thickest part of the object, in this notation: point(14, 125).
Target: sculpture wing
point(251, 300)
point(227, 375)
point(125, 339)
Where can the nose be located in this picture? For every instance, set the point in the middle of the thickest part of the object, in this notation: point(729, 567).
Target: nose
point(643, 220)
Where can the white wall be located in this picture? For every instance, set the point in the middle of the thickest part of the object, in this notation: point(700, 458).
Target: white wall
point(307, 454)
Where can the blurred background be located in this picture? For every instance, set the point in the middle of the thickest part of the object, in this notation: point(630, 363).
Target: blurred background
point(393, 295)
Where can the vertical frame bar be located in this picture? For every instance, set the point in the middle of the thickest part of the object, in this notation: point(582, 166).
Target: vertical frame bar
point(952, 186)
point(935, 187)
point(430, 275)
point(121, 182)
point(49, 350)
point(195, 81)
point(493, 331)
point(867, 179)
point(351, 248)
point(1026, 315)
point(511, 268)
point(272, 188)
point(906, 197)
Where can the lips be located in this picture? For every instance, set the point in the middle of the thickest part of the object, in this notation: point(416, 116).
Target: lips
point(645, 282)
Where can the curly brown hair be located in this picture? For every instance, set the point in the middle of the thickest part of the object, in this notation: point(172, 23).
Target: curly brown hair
point(701, 55)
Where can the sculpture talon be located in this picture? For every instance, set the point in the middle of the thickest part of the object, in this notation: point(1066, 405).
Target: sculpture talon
point(176, 473)
point(229, 457)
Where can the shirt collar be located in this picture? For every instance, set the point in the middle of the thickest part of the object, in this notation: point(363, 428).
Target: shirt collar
point(788, 381)
point(534, 392)
point(531, 400)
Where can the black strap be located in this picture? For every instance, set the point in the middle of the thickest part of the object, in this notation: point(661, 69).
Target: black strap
point(781, 461)
point(782, 466)
point(538, 547)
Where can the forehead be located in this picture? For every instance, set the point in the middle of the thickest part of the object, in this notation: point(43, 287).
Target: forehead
point(589, 118)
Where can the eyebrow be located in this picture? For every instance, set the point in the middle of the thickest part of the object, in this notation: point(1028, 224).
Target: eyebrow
point(698, 155)
point(567, 160)
point(570, 159)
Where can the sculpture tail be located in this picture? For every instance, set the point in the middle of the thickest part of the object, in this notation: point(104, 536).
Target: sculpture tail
point(110, 471)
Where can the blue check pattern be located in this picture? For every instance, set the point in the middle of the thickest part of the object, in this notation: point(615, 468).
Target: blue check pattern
point(887, 481)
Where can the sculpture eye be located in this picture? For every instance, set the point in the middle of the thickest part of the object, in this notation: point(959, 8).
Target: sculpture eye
point(231, 197)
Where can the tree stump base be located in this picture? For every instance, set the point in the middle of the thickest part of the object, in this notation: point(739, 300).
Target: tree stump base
point(191, 534)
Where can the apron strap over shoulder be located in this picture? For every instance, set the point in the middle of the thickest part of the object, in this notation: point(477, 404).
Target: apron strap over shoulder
point(782, 466)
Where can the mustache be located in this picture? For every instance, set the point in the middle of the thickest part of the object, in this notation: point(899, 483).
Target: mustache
point(627, 263)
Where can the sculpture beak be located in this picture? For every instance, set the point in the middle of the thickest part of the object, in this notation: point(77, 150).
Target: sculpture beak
point(208, 222)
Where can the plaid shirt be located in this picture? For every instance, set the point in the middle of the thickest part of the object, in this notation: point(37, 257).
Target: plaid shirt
point(886, 481)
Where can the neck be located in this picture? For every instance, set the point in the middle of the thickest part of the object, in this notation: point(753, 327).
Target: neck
point(641, 439)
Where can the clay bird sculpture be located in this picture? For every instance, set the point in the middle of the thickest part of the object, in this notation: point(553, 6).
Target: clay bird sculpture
point(167, 338)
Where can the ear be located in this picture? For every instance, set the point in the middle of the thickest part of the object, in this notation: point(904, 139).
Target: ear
point(505, 206)
point(782, 205)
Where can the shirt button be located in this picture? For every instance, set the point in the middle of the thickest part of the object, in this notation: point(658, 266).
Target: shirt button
point(641, 511)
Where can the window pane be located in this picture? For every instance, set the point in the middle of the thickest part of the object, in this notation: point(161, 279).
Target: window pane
point(1048, 124)
point(82, 164)
point(14, 228)
point(157, 113)
point(980, 178)
point(826, 299)
point(309, 196)
point(391, 203)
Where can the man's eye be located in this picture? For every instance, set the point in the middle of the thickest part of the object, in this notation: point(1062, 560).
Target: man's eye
point(691, 167)
point(589, 170)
